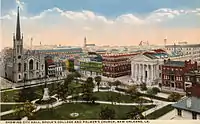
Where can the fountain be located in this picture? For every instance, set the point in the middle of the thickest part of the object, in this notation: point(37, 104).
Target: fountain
point(74, 115)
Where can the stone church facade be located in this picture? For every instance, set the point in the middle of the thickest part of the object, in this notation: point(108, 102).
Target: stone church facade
point(23, 64)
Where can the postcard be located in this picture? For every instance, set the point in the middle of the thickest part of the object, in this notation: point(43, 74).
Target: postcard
point(100, 61)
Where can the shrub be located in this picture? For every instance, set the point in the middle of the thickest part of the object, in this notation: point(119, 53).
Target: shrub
point(104, 88)
point(155, 90)
point(160, 112)
point(143, 87)
point(174, 97)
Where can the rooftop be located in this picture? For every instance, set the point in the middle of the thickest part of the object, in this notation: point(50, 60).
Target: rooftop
point(195, 106)
point(175, 63)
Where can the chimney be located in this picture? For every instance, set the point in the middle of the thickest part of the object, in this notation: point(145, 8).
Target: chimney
point(189, 102)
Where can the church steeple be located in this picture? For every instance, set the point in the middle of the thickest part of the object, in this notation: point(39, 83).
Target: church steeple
point(18, 32)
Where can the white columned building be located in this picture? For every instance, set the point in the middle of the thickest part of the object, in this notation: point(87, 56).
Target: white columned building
point(145, 69)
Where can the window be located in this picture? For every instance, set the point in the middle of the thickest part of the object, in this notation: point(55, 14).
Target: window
point(179, 112)
point(24, 66)
point(19, 66)
point(194, 115)
point(31, 64)
point(36, 65)
point(42, 66)
point(19, 76)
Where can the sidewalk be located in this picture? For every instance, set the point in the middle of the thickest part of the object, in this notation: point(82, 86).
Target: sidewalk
point(5, 84)
point(48, 82)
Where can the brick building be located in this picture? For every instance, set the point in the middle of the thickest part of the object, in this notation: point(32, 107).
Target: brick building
point(117, 65)
point(173, 74)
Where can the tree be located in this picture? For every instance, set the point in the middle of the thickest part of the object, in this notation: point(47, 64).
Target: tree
point(174, 97)
point(151, 93)
point(132, 90)
point(25, 110)
point(155, 90)
point(62, 92)
point(77, 75)
point(110, 84)
point(89, 82)
point(25, 94)
point(143, 87)
point(117, 83)
point(88, 89)
point(98, 80)
point(107, 113)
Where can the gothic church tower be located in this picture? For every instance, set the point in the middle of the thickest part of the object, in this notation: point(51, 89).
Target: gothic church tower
point(18, 62)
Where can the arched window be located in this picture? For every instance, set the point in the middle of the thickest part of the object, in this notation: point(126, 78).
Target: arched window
point(36, 65)
point(19, 66)
point(24, 66)
point(31, 64)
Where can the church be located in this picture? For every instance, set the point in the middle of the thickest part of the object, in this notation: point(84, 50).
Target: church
point(23, 64)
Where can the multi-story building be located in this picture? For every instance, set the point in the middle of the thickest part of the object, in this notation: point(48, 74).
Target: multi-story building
point(50, 67)
point(61, 51)
point(173, 74)
point(192, 78)
point(185, 51)
point(91, 64)
point(117, 65)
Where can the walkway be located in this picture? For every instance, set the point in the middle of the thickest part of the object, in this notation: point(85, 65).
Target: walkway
point(50, 82)
point(159, 104)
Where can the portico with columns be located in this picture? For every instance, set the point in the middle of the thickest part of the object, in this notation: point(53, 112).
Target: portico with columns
point(144, 69)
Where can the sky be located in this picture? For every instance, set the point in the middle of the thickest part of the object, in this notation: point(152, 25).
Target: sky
point(103, 22)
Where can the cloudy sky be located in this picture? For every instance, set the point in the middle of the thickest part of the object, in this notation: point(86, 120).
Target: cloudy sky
point(103, 22)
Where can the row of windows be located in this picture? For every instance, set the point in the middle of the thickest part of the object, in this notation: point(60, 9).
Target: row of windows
point(30, 66)
point(172, 69)
point(183, 48)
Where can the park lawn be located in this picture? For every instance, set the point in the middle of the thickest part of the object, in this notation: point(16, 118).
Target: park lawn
point(7, 107)
point(38, 90)
point(160, 112)
point(86, 111)
point(104, 96)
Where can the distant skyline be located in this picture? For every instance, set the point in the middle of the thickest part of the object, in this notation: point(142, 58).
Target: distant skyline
point(103, 22)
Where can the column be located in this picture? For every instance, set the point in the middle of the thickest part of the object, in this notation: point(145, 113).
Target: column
point(151, 72)
point(148, 72)
point(155, 72)
point(136, 72)
point(139, 73)
point(143, 79)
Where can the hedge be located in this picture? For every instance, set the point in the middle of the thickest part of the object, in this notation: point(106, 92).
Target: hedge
point(160, 112)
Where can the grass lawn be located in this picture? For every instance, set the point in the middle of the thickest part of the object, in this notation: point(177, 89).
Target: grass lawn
point(160, 112)
point(105, 96)
point(38, 90)
point(86, 111)
point(8, 107)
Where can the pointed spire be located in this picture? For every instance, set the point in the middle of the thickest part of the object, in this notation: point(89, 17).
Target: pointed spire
point(18, 32)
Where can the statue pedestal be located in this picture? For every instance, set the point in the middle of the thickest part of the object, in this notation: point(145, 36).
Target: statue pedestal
point(46, 94)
